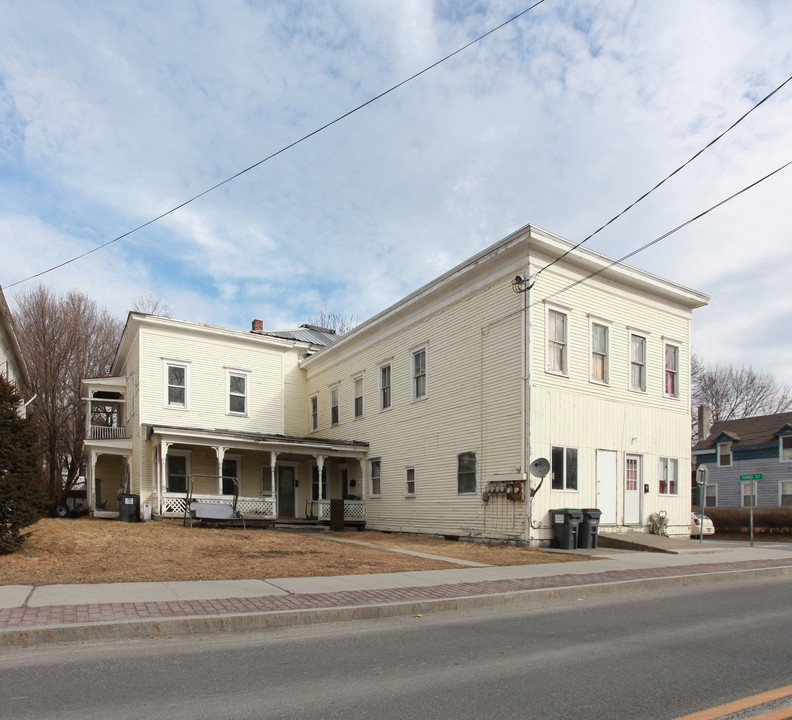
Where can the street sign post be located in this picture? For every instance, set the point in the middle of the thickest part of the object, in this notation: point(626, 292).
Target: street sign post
point(752, 478)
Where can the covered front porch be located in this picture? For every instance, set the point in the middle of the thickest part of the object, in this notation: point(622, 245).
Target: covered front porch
point(268, 478)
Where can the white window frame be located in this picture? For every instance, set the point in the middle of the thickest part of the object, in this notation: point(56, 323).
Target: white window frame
point(743, 495)
point(714, 488)
point(378, 491)
point(781, 492)
point(781, 449)
point(664, 475)
point(335, 404)
point(358, 408)
point(409, 471)
point(184, 365)
point(313, 413)
point(674, 372)
point(234, 372)
point(640, 387)
point(721, 456)
point(416, 375)
point(187, 468)
point(597, 353)
point(466, 474)
point(565, 454)
point(385, 391)
point(553, 343)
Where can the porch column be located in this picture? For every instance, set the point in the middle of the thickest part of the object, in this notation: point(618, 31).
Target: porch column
point(320, 465)
point(163, 474)
point(273, 461)
point(362, 462)
point(90, 491)
point(221, 451)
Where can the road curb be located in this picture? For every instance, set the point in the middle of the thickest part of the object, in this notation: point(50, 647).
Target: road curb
point(247, 622)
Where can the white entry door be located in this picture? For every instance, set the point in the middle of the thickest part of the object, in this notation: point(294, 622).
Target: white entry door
point(632, 490)
point(607, 480)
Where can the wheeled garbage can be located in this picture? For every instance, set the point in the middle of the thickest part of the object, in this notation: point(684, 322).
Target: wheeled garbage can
point(565, 527)
point(128, 507)
point(589, 528)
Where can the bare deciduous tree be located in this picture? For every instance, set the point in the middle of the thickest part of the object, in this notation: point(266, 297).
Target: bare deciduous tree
point(64, 338)
point(152, 304)
point(332, 320)
point(732, 393)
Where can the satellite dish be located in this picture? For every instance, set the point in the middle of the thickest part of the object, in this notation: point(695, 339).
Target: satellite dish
point(539, 467)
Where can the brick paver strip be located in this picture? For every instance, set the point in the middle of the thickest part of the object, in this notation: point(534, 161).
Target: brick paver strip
point(118, 612)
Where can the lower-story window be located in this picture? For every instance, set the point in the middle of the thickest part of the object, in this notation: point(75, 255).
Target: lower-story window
point(376, 477)
point(466, 473)
point(564, 468)
point(668, 476)
point(712, 496)
point(786, 493)
point(748, 497)
point(409, 488)
point(177, 473)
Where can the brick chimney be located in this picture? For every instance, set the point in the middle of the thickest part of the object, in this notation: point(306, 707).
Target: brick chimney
point(258, 326)
point(704, 422)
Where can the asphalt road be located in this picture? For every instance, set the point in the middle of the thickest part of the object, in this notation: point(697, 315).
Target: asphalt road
point(641, 655)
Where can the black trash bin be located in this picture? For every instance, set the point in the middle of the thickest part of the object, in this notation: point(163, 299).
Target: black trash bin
point(589, 528)
point(337, 515)
point(128, 507)
point(565, 526)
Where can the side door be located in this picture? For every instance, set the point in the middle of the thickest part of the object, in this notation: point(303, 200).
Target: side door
point(286, 491)
point(632, 489)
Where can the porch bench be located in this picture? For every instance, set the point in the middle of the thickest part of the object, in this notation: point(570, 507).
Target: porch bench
point(218, 512)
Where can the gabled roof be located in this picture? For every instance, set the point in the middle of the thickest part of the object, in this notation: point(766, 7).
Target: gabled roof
point(748, 432)
point(8, 328)
point(305, 333)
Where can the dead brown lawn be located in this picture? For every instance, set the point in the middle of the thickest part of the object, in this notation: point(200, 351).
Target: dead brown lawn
point(99, 551)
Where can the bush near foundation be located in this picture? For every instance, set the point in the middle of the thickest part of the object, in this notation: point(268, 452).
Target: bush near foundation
point(738, 519)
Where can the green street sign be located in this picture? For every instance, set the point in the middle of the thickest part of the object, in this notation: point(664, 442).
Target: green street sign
point(751, 478)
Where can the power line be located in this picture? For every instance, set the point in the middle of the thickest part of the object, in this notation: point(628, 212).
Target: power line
point(667, 177)
point(285, 147)
point(662, 237)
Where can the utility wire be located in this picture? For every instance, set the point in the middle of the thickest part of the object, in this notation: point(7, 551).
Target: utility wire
point(662, 237)
point(286, 147)
point(666, 178)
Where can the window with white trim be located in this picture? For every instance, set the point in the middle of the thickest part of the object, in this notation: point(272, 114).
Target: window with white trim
point(637, 362)
point(671, 383)
point(237, 387)
point(357, 385)
point(466, 473)
point(599, 353)
point(724, 454)
point(712, 496)
point(314, 412)
point(785, 448)
point(419, 385)
point(668, 476)
point(177, 385)
point(785, 493)
point(409, 482)
point(748, 497)
point(376, 478)
point(334, 405)
point(557, 350)
point(564, 468)
point(385, 386)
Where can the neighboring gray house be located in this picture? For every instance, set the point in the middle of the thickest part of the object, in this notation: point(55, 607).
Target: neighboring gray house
point(752, 445)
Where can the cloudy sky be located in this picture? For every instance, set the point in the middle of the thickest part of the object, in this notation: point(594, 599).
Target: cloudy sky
point(112, 113)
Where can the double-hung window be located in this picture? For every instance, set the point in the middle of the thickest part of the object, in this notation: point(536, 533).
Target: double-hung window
point(724, 454)
point(385, 386)
point(599, 353)
point(238, 382)
point(314, 412)
point(357, 385)
point(748, 497)
point(177, 385)
point(419, 373)
point(376, 478)
point(334, 405)
point(466, 473)
point(409, 484)
point(564, 468)
point(785, 447)
point(668, 476)
point(557, 342)
point(671, 371)
point(637, 362)
point(785, 493)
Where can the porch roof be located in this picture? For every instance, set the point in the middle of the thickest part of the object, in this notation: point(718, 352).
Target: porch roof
point(261, 441)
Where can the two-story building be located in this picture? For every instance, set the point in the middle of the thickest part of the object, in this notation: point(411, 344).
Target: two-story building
point(427, 417)
point(12, 362)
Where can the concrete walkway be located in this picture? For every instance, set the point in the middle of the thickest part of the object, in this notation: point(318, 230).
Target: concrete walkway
point(32, 615)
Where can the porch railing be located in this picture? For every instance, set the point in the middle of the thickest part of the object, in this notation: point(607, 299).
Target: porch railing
point(354, 510)
point(103, 432)
point(253, 508)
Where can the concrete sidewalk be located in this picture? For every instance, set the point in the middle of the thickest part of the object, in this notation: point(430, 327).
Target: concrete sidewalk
point(32, 615)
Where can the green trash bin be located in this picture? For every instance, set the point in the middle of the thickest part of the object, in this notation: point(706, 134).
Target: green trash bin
point(589, 528)
point(565, 526)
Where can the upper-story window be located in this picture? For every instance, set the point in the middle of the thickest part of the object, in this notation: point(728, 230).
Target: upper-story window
point(385, 386)
point(314, 412)
point(671, 386)
point(724, 454)
point(237, 387)
point(557, 351)
point(637, 362)
point(334, 405)
point(785, 448)
point(177, 388)
point(358, 390)
point(600, 355)
point(419, 373)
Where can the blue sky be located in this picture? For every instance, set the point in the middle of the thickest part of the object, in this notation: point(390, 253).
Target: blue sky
point(112, 113)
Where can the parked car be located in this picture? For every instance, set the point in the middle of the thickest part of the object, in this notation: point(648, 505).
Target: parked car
point(699, 521)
